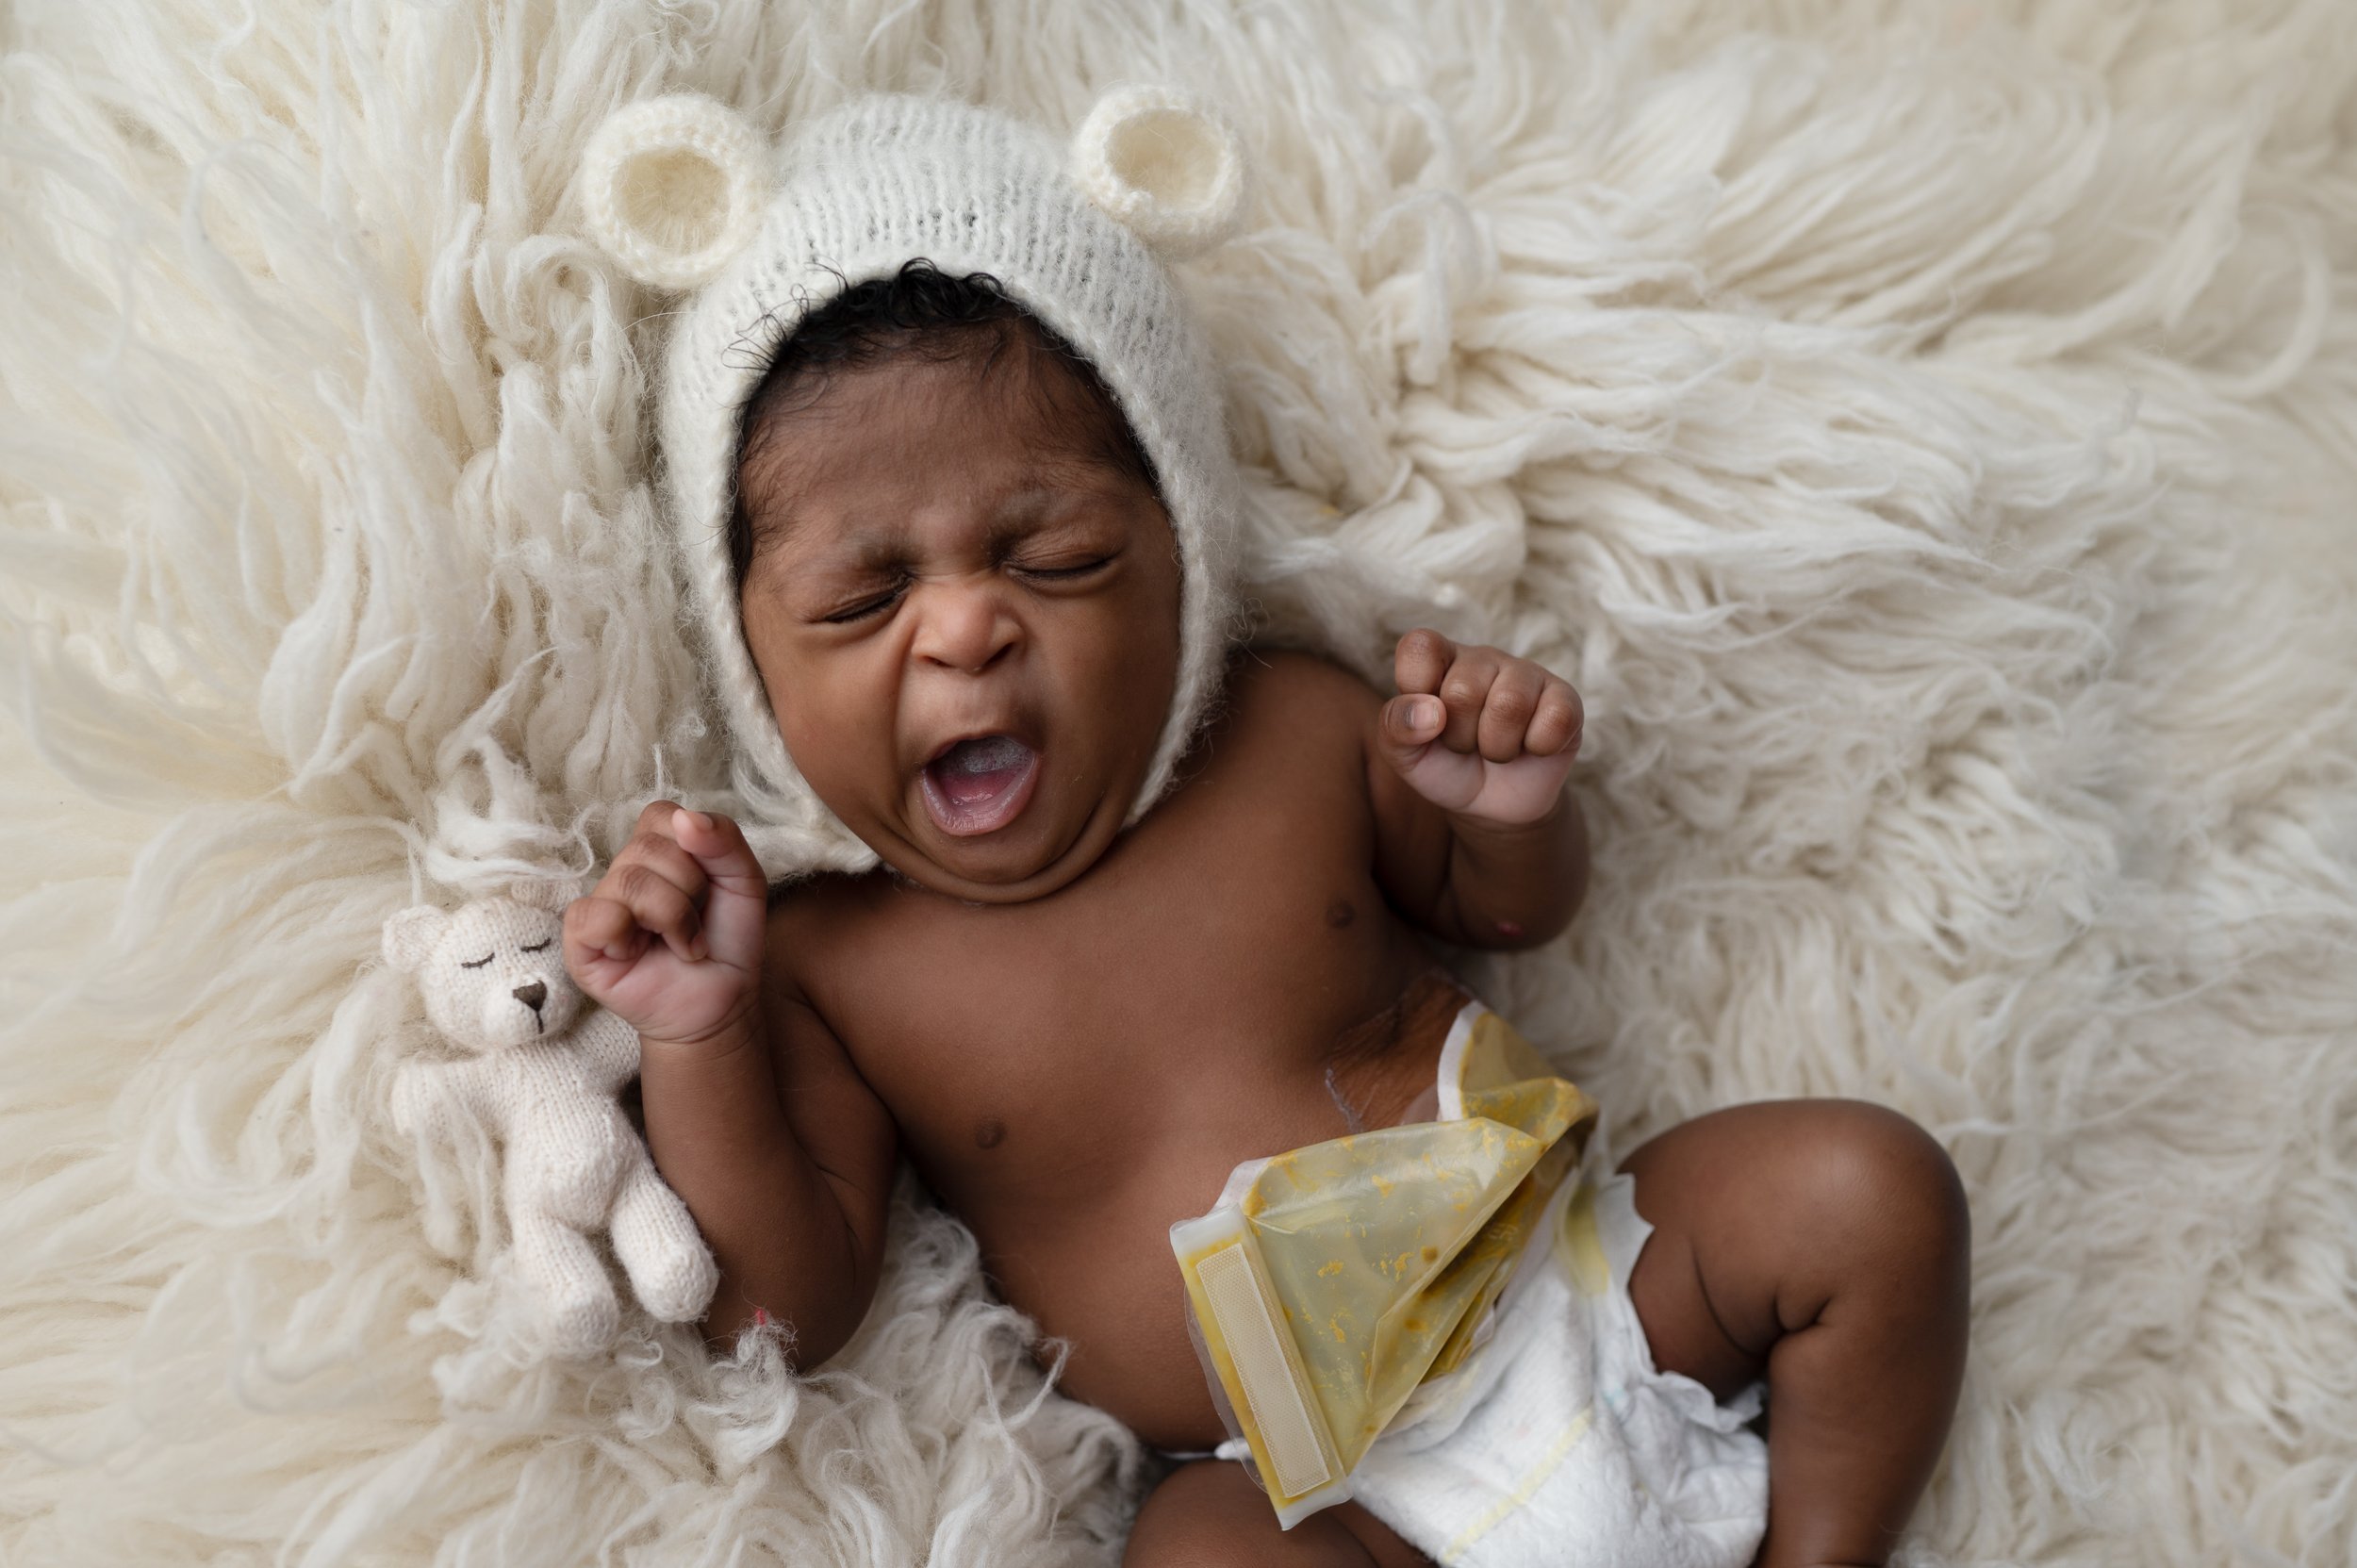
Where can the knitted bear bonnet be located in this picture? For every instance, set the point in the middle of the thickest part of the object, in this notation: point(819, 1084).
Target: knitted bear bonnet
point(681, 192)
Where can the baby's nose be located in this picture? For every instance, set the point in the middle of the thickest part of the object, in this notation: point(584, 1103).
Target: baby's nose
point(532, 994)
point(964, 628)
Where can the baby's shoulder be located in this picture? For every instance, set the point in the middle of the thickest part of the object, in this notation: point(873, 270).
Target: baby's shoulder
point(1291, 722)
point(1287, 691)
point(807, 918)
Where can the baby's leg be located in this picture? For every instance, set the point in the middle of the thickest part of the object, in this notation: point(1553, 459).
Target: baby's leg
point(1825, 1242)
point(1208, 1515)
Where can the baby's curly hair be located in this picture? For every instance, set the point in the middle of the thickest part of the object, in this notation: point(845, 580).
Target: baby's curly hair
point(921, 311)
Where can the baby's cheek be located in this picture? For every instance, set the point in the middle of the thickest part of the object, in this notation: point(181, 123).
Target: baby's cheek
point(1148, 668)
point(1113, 684)
point(839, 737)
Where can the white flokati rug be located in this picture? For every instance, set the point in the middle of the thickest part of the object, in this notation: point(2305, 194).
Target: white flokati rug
point(1928, 436)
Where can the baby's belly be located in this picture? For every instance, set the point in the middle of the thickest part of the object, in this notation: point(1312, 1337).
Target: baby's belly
point(1087, 1253)
point(1100, 1278)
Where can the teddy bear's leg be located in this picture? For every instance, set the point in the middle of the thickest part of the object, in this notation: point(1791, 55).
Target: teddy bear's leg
point(668, 1264)
point(576, 1300)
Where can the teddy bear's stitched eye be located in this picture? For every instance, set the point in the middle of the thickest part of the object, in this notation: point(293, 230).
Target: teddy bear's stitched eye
point(536, 947)
point(478, 962)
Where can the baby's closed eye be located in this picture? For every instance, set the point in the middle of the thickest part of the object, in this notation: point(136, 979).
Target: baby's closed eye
point(1062, 564)
point(863, 602)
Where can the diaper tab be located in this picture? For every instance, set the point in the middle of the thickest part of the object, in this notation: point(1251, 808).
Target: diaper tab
point(1239, 1326)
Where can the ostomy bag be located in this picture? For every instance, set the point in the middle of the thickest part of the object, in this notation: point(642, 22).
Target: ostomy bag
point(1330, 1281)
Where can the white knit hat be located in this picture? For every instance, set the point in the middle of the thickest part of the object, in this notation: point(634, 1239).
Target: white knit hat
point(676, 189)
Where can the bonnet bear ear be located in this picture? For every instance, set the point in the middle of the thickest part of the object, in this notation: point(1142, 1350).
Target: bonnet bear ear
point(672, 187)
point(411, 935)
point(1170, 169)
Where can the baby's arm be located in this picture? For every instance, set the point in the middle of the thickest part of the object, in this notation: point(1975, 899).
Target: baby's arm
point(754, 1114)
point(1477, 839)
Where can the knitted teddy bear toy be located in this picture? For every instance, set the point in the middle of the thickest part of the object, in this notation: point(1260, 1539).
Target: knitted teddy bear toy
point(541, 1076)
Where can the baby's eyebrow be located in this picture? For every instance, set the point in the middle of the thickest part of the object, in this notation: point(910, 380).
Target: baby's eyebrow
point(1045, 509)
point(859, 546)
point(849, 541)
point(871, 549)
point(1031, 504)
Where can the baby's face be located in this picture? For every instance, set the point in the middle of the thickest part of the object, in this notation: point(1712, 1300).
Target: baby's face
point(964, 613)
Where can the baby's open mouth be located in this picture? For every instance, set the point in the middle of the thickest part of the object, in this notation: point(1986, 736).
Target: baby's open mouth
point(980, 784)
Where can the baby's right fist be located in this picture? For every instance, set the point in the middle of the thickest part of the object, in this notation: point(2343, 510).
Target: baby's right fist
point(671, 938)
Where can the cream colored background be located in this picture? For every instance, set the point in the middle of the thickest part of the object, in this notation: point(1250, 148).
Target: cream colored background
point(1926, 434)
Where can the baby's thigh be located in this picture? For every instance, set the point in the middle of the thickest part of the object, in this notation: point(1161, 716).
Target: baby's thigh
point(1208, 1515)
point(1763, 1214)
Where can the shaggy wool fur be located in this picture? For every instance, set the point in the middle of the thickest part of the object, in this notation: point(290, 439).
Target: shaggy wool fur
point(1925, 433)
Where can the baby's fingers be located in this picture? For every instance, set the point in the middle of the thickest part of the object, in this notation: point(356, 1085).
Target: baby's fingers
point(736, 913)
point(1508, 709)
point(598, 927)
point(1421, 659)
point(1408, 731)
point(659, 904)
point(666, 858)
point(1556, 724)
point(658, 884)
point(721, 852)
point(1406, 727)
point(1465, 692)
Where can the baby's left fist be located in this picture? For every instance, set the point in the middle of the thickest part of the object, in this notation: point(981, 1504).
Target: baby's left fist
point(1478, 732)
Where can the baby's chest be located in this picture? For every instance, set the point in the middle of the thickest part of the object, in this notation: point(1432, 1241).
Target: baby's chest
point(1049, 1046)
point(1205, 965)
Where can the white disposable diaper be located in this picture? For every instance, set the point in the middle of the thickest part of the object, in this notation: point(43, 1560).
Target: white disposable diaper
point(1557, 1440)
point(1434, 1319)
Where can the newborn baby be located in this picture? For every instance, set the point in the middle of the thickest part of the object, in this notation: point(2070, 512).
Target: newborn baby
point(962, 583)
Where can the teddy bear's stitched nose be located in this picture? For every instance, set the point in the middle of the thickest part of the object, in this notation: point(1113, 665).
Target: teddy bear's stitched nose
point(533, 993)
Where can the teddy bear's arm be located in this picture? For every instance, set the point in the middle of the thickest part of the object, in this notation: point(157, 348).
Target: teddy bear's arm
point(609, 1048)
point(422, 1092)
point(412, 1101)
point(482, 1085)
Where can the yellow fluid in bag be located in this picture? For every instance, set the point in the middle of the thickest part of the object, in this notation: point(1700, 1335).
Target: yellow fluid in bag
point(1331, 1281)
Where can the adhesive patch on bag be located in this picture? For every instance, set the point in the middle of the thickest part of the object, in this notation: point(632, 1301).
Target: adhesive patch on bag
point(1331, 1281)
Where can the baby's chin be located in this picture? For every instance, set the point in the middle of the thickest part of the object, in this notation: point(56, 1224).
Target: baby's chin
point(981, 877)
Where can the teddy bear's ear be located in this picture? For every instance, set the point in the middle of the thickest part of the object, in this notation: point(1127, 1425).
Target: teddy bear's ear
point(1167, 166)
point(550, 893)
point(672, 187)
point(410, 938)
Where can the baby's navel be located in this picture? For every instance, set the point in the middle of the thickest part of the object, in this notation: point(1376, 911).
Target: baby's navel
point(1339, 914)
point(990, 1132)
